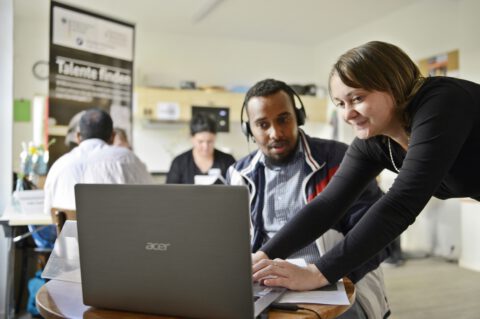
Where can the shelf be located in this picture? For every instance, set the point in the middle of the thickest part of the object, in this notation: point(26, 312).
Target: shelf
point(147, 100)
point(58, 130)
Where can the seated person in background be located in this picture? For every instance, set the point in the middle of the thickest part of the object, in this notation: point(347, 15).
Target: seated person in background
point(288, 170)
point(94, 160)
point(203, 157)
point(71, 138)
point(121, 138)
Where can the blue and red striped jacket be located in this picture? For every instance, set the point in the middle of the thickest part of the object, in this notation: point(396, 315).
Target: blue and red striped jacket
point(322, 159)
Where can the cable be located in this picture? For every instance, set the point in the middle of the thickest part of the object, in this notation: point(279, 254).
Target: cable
point(284, 306)
point(311, 310)
point(292, 307)
point(20, 237)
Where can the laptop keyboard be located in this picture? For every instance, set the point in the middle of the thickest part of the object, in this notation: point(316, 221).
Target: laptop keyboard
point(261, 290)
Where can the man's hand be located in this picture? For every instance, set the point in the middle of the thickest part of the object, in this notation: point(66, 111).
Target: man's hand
point(281, 273)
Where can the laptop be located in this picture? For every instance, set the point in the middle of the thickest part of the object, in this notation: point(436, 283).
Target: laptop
point(177, 250)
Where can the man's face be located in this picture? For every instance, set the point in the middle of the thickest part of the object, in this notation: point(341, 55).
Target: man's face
point(274, 126)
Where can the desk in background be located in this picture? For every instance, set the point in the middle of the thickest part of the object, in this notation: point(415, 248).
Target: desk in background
point(10, 219)
point(62, 299)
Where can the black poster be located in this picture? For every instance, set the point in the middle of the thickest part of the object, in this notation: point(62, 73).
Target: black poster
point(91, 65)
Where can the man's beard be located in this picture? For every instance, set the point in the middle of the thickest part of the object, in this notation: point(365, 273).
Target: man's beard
point(284, 160)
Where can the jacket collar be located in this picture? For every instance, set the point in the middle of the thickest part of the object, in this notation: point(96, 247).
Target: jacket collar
point(313, 164)
point(309, 159)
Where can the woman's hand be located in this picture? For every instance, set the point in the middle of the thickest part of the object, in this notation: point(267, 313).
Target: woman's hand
point(259, 255)
point(281, 273)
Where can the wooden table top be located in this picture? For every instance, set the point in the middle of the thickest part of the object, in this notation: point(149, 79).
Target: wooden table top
point(61, 299)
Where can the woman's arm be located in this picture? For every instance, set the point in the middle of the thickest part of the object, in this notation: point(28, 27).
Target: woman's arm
point(439, 130)
point(326, 209)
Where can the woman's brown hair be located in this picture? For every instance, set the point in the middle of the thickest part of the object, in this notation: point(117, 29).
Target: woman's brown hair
point(380, 66)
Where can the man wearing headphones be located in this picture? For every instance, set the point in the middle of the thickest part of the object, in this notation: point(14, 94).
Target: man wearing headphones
point(287, 171)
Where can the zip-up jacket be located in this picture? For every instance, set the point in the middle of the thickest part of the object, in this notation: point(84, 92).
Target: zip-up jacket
point(321, 160)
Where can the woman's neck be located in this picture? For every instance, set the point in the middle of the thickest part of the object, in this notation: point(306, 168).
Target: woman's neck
point(204, 163)
point(401, 137)
point(398, 133)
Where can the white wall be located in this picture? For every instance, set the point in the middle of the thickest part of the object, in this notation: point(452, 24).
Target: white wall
point(422, 29)
point(218, 61)
point(469, 43)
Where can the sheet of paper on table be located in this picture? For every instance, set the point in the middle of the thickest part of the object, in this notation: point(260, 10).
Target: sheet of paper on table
point(334, 294)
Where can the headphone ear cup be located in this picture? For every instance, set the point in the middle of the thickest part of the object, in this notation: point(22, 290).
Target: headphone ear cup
point(246, 129)
point(301, 115)
point(299, 112)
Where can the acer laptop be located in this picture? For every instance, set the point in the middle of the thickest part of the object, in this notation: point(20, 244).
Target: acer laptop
point(178, 250)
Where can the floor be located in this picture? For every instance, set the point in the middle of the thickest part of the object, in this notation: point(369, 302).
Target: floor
point(428, 288)
point(433, 288)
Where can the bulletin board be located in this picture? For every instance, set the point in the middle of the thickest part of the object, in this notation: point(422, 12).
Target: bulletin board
point(91, 66)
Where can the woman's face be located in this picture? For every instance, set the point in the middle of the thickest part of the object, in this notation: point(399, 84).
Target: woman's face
point(204, 143)
point(370, 113)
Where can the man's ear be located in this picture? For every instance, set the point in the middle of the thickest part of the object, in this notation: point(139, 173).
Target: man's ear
point(78, 138)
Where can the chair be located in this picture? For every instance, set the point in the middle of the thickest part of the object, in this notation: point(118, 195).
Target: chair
point(60, 215)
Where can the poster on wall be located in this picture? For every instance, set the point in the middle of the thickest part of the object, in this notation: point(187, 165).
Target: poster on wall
point(91, 65)
point(444, 64)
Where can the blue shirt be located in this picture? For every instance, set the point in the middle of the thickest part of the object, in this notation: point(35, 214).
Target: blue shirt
point(284, 198)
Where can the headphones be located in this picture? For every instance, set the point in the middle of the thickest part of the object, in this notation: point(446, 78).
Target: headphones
point(300, 113)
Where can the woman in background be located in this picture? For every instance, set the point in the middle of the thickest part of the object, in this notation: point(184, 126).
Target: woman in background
point(203, 158)
point(121, 138)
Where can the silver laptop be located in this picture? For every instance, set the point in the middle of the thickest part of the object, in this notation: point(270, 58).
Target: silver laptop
point(179, 250)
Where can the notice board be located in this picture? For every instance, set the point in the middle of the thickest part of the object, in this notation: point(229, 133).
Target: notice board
point(91, 65)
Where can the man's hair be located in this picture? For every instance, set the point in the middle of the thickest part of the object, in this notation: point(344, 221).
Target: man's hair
point(96, 123)
point(268, 87)
point(202, 123)
point(380, 66)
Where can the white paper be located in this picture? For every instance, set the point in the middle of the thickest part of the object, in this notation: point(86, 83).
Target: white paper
point(300, 262)
point(204, 179)
point(30, 201)
point(330, 295)
point(64, 261)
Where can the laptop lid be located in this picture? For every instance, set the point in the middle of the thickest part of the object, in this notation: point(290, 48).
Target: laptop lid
point(180, 250)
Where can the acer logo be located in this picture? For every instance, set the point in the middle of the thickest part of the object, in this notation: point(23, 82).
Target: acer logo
point(157, 246)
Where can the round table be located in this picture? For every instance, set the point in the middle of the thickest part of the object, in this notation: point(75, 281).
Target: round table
point(60, 299)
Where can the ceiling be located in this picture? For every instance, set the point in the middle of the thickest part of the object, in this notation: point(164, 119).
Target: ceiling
point(306, 22)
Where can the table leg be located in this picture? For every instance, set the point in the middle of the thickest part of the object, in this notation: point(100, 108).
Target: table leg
point(7, 272)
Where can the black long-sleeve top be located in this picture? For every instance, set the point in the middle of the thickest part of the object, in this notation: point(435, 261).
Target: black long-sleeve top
point(183, 168)
point(443, 160)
